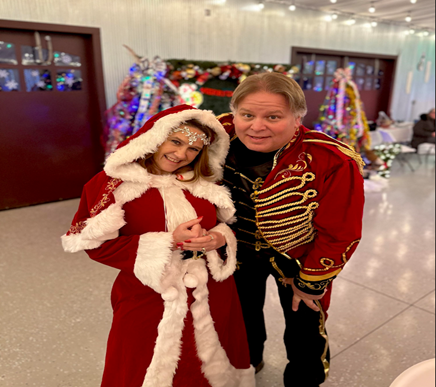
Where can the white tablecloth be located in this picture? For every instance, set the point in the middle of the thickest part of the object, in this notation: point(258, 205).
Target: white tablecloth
point(393, 134)
point(403, 133)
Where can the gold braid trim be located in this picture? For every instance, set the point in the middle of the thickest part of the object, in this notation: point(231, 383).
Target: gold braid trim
point(291, 219)
point(329, 263)
point(307, 177)
point(259, 245)
point(319, 278)
point(309, 194)
point(294, 235)
point(248, 220)
point(246, 205)
point(312, 206)
point(290, 230)
point(224, 115)
point(275, 266)
point(345, 149)
point(307, 238)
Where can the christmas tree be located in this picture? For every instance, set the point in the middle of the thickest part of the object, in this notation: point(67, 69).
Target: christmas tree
point(143, 93)
point(342, 115)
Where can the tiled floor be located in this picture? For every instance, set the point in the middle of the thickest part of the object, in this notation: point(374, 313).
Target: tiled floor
point(55, 310)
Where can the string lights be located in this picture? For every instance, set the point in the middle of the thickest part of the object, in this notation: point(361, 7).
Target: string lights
point(352, 19)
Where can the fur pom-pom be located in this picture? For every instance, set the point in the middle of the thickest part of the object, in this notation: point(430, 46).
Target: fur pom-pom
point(170, 294)
point(191, 281)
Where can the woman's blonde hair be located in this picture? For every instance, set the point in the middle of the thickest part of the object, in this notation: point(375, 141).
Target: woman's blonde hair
point(274, 83)
point(200, 166)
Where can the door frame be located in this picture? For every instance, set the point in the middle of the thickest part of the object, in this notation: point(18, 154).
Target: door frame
point(97, 79)
point(394, 58)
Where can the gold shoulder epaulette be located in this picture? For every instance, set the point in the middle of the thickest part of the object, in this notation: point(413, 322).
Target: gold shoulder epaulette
point(344, 148)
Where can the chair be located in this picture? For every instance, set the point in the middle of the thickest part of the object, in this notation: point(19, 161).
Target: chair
point(405, 149)
point(426, 149)
point(421, 375)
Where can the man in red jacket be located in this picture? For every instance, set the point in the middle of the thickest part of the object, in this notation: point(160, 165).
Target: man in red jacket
point(299, 199)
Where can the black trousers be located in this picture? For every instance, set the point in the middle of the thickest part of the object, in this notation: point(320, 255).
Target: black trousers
point(305, 337)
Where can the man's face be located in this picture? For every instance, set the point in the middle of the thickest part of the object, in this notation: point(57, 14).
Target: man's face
point(432, 114)
point(264, 122)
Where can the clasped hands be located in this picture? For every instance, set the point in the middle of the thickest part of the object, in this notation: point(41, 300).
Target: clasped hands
point(191, 236)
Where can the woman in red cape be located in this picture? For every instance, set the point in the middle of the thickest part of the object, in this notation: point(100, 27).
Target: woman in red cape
point(177, 322)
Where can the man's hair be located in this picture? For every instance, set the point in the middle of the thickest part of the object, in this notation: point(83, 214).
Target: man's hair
point(274, 83)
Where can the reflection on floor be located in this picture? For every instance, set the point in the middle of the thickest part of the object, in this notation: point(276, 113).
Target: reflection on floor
point(55, 309)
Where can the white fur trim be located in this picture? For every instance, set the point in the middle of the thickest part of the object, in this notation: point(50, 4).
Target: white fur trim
point(219, 269)
point(168, 344)
point(99, 229)
point(74, 242)
point(149, 142)
point(216, 365)
point(154, 253)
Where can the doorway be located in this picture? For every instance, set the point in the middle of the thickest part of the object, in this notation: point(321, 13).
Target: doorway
point(52, 103)
point(373, 74)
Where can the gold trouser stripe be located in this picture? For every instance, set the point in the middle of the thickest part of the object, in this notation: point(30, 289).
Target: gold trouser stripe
point(275, 266)
point(323, 333)
point(317, 278)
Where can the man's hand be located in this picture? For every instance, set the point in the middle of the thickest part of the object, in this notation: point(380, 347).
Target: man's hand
point(299, 296)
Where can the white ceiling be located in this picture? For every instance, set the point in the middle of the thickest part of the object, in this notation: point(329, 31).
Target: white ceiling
point(423, 12)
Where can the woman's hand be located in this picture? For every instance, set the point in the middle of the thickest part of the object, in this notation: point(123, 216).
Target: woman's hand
point(208, 241)
point(187, 231)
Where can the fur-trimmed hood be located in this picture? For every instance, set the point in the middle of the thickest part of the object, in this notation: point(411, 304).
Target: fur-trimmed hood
point(152, 135)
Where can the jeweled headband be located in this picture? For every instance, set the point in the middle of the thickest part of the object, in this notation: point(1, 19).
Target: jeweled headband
point(192, 136)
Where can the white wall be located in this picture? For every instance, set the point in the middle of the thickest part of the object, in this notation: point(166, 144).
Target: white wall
point(236, 31)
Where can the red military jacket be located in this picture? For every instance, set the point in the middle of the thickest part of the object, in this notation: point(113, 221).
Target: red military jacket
point(310, 207)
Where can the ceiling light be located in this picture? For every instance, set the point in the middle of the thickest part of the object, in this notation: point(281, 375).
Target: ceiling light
point(408, 18)
point(413, 1)
point(411, 31)
point(261, 5)
point(329, 18)
point(293, 8)
point(333, 1)
point(335, 16)
point(351, 21)
point(426, 33)
point(372, 8)
point(374, 24)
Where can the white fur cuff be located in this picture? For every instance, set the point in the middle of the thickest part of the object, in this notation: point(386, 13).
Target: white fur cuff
point(154, 254)
point(222, 270)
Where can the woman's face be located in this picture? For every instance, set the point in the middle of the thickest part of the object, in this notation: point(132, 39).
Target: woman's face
point(176, 153)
